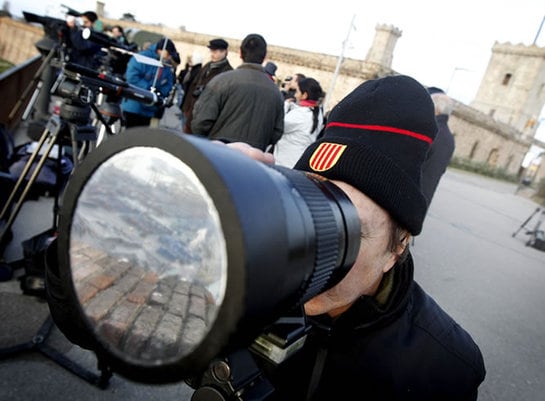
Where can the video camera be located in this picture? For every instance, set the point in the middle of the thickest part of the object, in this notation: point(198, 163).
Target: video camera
point(55, 29)
point(82, 84)
point(181, 259)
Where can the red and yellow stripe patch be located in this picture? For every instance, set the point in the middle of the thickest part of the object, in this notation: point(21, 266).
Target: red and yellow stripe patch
point(326, 156)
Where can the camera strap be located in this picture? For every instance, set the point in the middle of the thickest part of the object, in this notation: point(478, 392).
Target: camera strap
point(316, 372)
point(321, 331)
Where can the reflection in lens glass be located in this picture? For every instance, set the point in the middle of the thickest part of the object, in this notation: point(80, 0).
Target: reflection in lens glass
point(149, 274)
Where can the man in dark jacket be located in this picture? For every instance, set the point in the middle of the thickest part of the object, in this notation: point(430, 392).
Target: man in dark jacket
point(244, 104)
point(218, 63)
point(81, 51)
point(376, 335)
point(443, 146)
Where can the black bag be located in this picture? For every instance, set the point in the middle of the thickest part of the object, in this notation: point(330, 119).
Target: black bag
point(34, 252)
point(538, 240)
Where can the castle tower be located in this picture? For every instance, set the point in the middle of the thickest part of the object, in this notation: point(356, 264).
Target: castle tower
point(513, 87)
point(382, 50)
point(100, 9)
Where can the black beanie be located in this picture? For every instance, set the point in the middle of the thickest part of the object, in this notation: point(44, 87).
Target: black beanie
point(376, 140)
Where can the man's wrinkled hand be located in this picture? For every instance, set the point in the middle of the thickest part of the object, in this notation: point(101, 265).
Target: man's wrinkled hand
point(250, 151)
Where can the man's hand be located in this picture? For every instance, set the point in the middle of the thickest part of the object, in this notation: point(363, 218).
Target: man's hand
point(248, 150)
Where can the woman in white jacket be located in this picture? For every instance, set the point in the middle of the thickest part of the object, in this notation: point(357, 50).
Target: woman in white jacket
point(303, 121)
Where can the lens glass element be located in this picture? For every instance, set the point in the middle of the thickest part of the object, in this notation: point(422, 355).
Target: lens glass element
point(148, 256)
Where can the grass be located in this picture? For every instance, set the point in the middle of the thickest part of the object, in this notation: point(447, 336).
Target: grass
point(4, 65)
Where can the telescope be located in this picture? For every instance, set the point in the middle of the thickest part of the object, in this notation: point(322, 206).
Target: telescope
point(82, 83)
point(174, 250)
point(106, 41)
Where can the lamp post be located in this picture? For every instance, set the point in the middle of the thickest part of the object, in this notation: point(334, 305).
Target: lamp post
point(454, 71)
point(338, 66)
point(539, 30)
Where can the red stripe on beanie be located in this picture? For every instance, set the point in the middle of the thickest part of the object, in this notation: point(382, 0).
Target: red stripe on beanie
point(383, 128)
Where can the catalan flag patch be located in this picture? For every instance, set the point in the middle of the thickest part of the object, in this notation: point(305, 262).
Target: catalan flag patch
point(326, 156)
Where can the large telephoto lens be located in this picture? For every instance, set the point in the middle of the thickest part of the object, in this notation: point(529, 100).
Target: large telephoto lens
point(176, 249)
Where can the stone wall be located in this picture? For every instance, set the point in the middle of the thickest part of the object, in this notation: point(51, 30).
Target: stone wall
point(480, 138)
point(17, 40)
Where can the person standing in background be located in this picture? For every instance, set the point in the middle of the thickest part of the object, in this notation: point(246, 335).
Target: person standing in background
point(303, 121)
point(186, 77)
point(270, 69)
point(443, 146)
point(242, 105)
point(290, 86)
point(218, 63)
point(149, 77)
point(119, 35)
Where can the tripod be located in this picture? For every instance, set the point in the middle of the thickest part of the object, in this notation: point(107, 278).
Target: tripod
point(50, 137)
point(526, 222)
point(53, 135)
point(537, 234)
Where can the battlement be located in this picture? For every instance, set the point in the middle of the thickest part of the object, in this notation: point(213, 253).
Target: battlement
point(518, 49)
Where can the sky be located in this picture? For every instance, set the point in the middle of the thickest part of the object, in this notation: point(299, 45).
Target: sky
point(443, 44)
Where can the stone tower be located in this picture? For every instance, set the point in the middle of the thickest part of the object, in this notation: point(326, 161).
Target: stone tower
point(513, 87)
point(100, 9)
point(382, 50)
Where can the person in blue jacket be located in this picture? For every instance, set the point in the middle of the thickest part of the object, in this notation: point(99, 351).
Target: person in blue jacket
point(149, 76)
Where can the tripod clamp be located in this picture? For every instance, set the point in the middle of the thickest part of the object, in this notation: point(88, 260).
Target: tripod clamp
point(236, 377)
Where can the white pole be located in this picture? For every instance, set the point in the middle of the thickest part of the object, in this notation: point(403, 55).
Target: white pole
point(539, 30)
point(338, 66)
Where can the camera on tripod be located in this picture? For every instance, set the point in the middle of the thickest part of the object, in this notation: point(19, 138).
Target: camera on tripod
point(79, 88)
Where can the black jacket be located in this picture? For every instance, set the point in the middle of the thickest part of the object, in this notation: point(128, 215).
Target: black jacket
point(197, 85)
point(84, 52)
point(240, 105)
point(407, 349)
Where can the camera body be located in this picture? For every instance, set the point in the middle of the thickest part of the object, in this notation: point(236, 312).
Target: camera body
point(56, 31)
point(198, 91)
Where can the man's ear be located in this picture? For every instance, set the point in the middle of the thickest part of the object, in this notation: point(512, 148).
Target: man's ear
point(403, 246)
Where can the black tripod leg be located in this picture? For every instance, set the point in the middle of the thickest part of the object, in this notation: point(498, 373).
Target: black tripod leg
point(38, 343)
point(525, 222)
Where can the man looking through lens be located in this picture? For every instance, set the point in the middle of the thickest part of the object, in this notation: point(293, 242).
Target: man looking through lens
point(377, 334)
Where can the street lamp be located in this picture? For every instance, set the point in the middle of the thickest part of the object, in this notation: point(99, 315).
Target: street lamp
point(454, 71)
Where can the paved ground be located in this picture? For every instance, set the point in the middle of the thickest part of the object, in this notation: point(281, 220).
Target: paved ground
point(466, 257)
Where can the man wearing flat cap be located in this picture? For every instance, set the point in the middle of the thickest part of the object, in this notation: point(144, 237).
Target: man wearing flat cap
point(218, 63)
